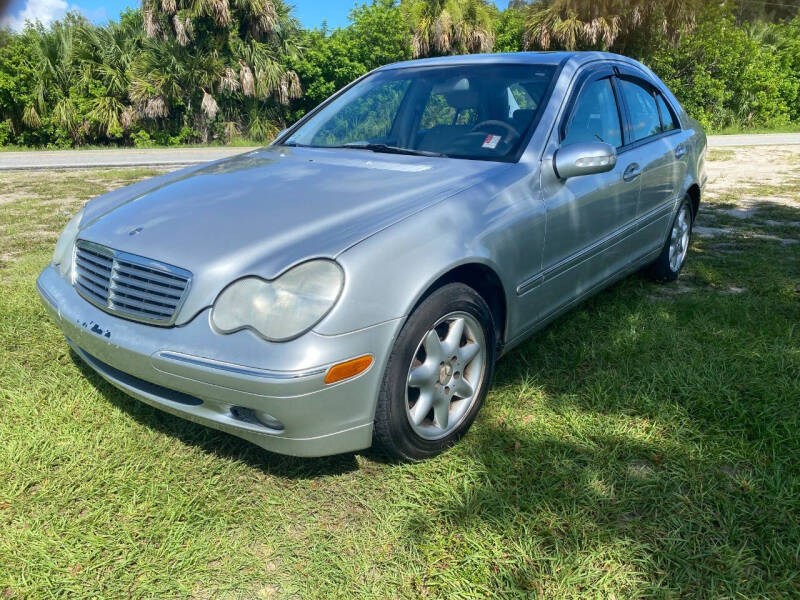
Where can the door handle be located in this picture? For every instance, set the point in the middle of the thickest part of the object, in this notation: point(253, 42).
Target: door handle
point(680, 151)
point(632, 172)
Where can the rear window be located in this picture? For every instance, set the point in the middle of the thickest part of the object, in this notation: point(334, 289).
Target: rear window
point(642, 107)
point(669, 121)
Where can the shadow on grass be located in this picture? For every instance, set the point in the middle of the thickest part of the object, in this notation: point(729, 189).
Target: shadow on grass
point(217, 442)
point(642, 444)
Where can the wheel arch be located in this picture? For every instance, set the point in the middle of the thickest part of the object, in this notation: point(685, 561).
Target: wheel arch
point(485, 281)
point(693, 192)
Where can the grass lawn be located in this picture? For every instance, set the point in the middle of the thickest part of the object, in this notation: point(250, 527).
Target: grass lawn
point(646, 445)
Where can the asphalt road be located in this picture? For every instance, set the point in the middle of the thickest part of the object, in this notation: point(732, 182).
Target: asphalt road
point(753, 139)
point(81, 159)
point(175, 157)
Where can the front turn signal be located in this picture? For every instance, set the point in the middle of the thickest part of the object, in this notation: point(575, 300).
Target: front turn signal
point(349, 368)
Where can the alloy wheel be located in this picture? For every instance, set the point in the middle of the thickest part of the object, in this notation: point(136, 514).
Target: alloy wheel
point(445, 375)
point(679, 239)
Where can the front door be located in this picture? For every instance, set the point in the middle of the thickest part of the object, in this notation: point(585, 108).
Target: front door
point(589, 218)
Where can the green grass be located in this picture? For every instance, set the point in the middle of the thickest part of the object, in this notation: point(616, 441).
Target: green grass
point(643, 446)
point(715, 154)
point(736, 129)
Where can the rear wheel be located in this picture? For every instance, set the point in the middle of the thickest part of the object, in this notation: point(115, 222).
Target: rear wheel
point(437, 376)
point(669, 263)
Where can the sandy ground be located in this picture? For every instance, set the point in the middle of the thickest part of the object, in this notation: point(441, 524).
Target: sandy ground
point(732, 169)
point(752, 192)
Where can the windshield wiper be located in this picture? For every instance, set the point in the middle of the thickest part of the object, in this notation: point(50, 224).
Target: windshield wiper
point(385, 148)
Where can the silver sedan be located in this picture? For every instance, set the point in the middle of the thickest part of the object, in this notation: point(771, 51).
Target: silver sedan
point(354, 283)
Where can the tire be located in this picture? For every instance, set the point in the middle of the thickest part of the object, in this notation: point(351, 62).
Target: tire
point(421, 372)
point(669, 263)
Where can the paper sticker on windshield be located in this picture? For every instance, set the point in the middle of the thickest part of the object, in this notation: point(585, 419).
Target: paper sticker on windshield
point(491, 141)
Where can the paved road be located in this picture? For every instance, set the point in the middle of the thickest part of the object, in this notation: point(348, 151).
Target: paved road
point(71, 159)
point(752, 139)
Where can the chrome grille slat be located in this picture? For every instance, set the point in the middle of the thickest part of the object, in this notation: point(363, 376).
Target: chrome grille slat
point(133, 287)
point(151, 272)
point(152, 280)
point(96, 289)
point(134, 314)
point(100, 297)
point(138, 290)
point(100, 281)
point(100, 252)
point(123, 300)
point(91, 265)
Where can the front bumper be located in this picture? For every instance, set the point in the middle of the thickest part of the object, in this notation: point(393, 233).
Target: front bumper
point(205, 377)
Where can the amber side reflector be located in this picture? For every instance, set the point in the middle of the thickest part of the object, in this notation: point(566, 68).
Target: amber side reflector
point(348, 369)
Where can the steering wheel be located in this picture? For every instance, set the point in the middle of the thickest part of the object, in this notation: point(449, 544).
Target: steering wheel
point(496, 123)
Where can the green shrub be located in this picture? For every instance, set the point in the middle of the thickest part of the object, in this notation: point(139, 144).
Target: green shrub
point(724, 77)
point(141, 139)
point(5, 132)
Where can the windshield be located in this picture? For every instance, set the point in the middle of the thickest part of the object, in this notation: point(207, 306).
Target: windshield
point(460, 111)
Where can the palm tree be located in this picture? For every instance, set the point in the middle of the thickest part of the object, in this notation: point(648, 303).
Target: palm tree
point(167, 75)
point(106, 56)
point(200, 52)
point(55, 74)
point(441, 27)
point(605, 24)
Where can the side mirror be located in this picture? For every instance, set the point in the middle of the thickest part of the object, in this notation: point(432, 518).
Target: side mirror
point(585, 158)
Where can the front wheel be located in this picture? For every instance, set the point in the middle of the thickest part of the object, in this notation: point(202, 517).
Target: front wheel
point(437, 375)
point(669, 263)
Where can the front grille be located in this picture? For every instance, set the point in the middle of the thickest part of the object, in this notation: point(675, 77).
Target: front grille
point(130, 286)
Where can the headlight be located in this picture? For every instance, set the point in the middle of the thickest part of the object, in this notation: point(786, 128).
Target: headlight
point(283, 308)
point(62, 255)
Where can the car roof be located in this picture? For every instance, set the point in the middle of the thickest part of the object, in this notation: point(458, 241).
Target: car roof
point(532, 58)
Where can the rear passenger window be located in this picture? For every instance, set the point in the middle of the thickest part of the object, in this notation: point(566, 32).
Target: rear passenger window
point(595, 117)
point(642, 108)
point(668, 119)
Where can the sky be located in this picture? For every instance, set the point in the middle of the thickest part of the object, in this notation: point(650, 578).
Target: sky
point(311, 13)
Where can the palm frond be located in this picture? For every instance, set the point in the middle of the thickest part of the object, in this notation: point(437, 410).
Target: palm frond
point(209, 106)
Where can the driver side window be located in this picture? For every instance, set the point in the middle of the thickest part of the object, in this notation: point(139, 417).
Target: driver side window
point(595, 117)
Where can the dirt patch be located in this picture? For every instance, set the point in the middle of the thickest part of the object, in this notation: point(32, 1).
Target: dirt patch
point(731, 171)
point(702, 231)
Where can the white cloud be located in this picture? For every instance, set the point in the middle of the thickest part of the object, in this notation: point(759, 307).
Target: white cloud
point(45, 11)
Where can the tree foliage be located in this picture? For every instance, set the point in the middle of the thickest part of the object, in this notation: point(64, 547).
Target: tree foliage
point(199, 53)
point(178, 71)
point(378, 35)
point(442, 27)
point(727, 78)
point(606, 24)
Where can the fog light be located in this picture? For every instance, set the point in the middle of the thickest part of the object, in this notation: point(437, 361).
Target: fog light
point(256, 417)
point(268, 420)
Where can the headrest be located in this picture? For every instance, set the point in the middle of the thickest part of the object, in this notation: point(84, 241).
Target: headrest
point(523, 115)
point(462, 99)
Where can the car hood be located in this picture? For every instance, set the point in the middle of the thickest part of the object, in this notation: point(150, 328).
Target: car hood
point(261, 212)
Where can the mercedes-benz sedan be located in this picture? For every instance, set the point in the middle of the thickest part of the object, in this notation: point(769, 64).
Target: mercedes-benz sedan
point(354, 283)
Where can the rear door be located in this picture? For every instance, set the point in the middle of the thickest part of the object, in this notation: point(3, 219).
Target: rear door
point(656, 146)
